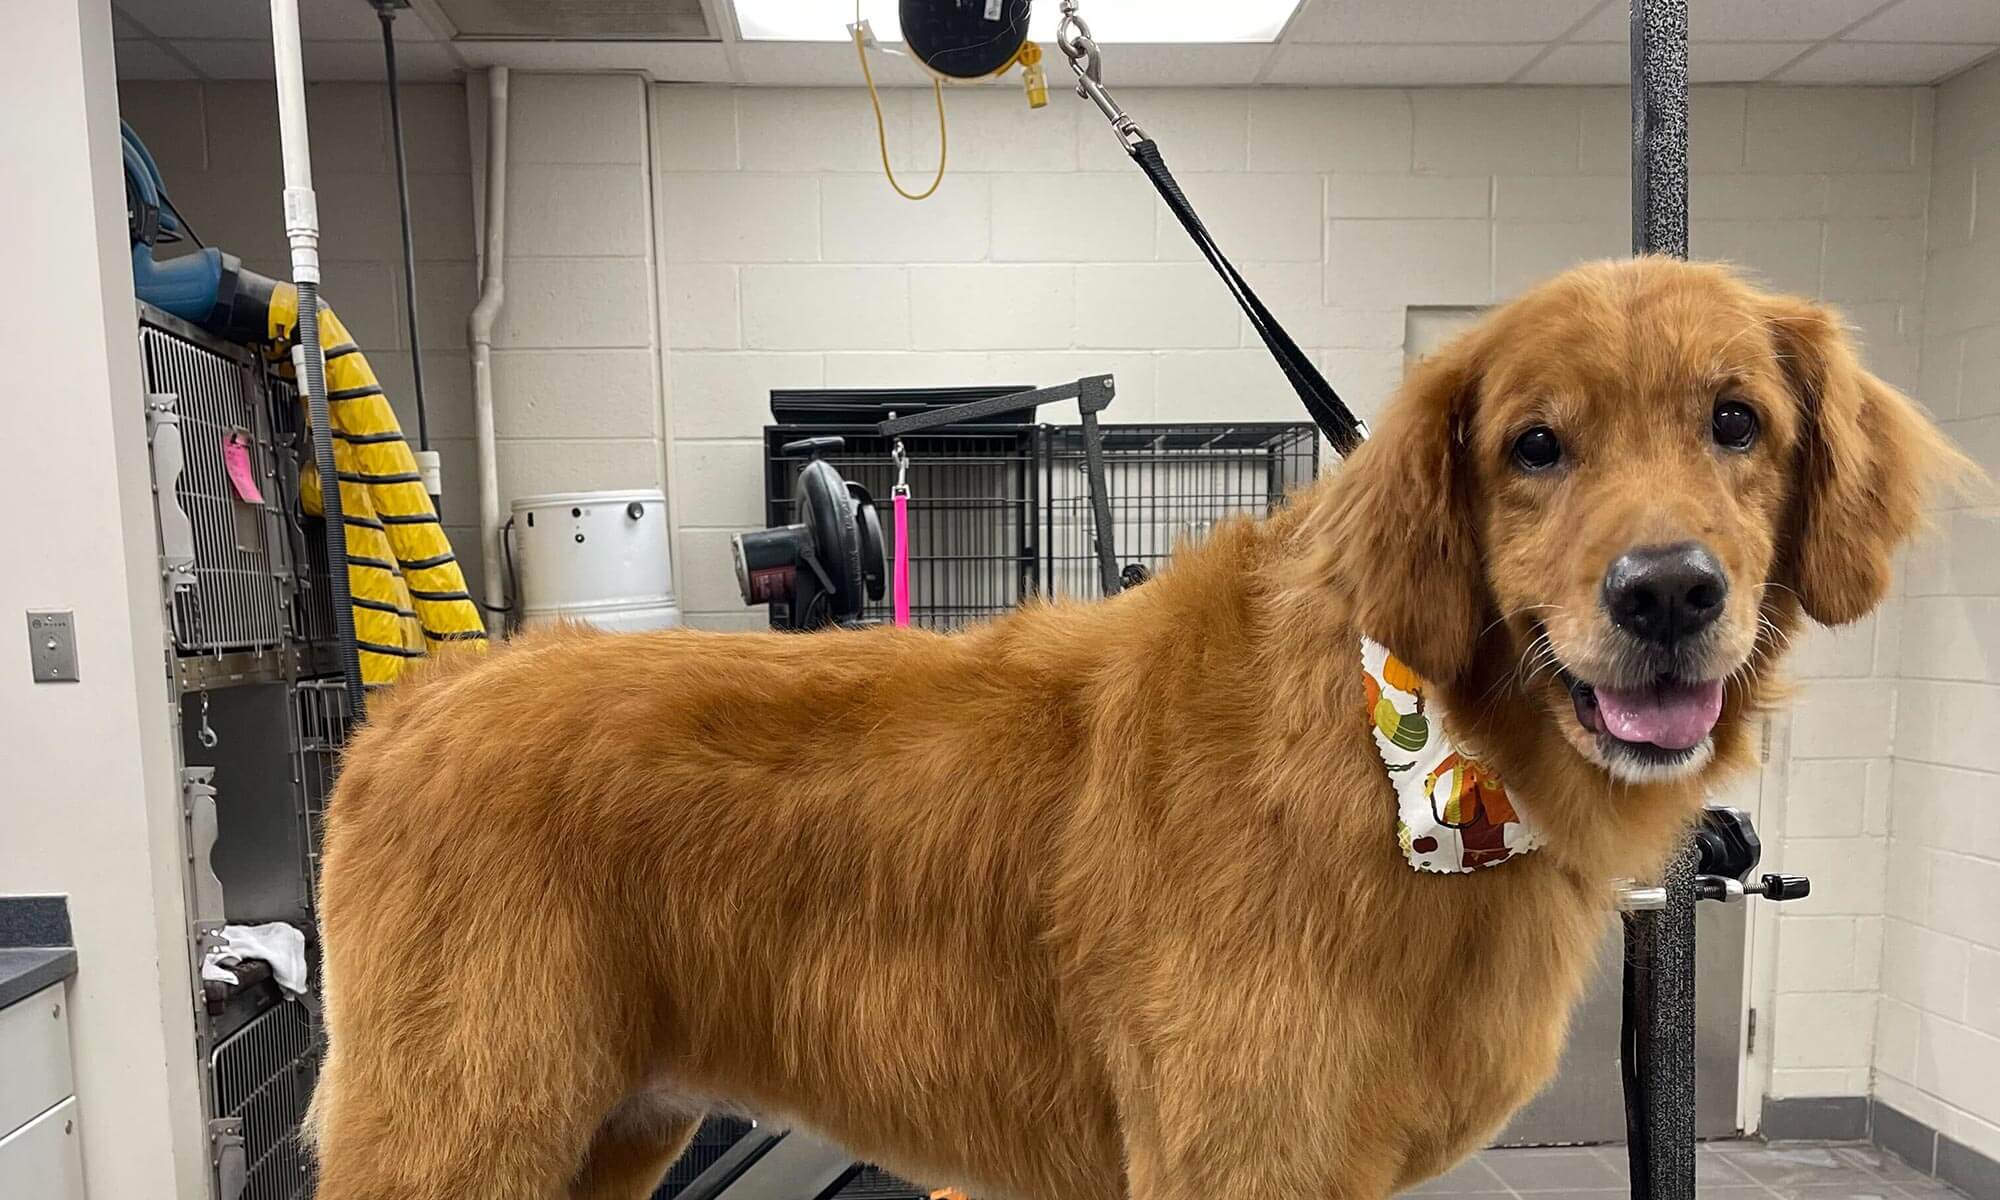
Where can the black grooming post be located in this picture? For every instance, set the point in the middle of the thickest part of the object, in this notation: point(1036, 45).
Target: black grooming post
point(1659, 1009)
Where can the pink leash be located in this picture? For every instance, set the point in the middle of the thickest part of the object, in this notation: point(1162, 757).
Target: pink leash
point(900, 579)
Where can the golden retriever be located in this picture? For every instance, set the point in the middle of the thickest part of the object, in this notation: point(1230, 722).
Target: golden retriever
point(1106, 900)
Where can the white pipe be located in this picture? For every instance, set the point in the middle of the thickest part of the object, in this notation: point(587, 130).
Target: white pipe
point(301, 207)
point(492, 290)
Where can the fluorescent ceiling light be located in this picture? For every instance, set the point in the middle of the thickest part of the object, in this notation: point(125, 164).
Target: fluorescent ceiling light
point(1111, 21)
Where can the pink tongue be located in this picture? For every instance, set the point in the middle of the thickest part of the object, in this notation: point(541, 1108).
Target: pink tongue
point(1675, 718)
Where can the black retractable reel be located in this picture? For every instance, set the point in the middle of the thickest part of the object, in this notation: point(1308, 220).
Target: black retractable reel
point(968, 39)
point(827, 566)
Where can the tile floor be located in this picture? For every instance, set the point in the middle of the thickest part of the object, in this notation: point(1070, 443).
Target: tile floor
point(1724, 1171)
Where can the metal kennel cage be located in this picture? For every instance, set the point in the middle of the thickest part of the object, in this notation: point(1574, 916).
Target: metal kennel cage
point(1168, 485)
point(261, 714)
point(973, 500)
point(998, 514)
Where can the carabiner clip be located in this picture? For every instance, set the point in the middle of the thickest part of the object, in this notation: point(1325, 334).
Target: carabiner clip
point(204, 732)
point(1074, 40)
point(901, 458)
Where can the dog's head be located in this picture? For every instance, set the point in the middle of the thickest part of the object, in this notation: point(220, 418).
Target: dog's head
point(1615, 495)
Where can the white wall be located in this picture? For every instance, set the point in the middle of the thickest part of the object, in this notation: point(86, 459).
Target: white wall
point(576, 361)
point(217, 148)
point(1937, 1053)
point(91, 805)
point(787, 261)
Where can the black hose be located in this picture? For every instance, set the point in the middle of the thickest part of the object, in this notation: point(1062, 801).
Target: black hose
point(388, 16)
point(329, 498)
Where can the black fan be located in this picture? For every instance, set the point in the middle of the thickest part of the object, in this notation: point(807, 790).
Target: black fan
point(965, 39)
point(826, 567)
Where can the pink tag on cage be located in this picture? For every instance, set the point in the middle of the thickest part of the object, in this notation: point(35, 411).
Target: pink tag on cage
point(242, 476)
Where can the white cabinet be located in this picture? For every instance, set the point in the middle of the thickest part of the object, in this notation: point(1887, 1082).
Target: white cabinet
point(42, 1160)
point(39, 1154)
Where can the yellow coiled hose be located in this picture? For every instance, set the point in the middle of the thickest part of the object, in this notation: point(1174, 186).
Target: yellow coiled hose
point(408, 591)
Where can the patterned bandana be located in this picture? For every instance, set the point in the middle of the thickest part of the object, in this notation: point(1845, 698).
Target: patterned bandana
point(1453, 816)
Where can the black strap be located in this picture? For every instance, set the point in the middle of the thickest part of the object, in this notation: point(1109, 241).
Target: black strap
point(1334, 418)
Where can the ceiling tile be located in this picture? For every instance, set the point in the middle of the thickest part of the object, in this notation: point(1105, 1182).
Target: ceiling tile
point(1363, 66)
point(1740, 62)
point(240, 58)
point(1170, 65)
point(1350, 21)
point(1708, 62)
point(1610, 23)
point(1587, 63)
point(148, 60)
point(349, 60)
point(1881, 62)
point(669, 62)
point(245, 20)
point(1773, 20)
point(1933, 21)
point(355, 20)
point(1742, 20)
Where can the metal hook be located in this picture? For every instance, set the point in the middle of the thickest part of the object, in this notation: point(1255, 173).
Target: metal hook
point(204, 732)
point(901, 458)
point(1074, 40)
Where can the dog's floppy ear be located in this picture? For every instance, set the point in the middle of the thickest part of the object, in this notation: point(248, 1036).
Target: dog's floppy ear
point(1866, 459)
point(1403, 543)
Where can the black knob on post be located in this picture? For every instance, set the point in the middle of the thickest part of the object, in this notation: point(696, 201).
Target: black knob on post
point(1783, 887)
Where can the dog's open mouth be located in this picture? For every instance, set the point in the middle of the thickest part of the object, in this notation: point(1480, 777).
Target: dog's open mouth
point(1663, 722)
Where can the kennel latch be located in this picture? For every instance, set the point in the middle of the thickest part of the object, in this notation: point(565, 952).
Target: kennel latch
point(228, 1155)
point(163, 432)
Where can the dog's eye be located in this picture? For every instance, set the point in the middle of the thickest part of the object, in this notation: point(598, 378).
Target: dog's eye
point(1733, 424)
point(1538, 449)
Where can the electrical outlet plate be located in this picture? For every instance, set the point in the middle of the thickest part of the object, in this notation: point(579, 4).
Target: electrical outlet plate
point(52, 645)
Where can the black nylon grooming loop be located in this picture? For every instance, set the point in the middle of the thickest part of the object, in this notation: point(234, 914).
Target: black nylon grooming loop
point(1341, 427)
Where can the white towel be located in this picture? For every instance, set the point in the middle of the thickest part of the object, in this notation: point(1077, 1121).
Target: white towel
point(278, 944)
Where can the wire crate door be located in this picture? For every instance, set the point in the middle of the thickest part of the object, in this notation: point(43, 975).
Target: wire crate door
point(1168, 485)
point(262, 1077)
point(217, 498)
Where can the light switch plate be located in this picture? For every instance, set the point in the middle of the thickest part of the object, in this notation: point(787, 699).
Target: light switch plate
point(52, 645)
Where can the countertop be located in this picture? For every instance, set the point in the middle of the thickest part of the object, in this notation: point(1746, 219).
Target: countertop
point(27, 970)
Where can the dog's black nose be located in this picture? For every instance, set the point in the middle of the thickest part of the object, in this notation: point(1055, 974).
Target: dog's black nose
point(1661, 594)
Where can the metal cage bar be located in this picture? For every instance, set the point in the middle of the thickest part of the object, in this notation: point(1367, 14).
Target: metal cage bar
point(1167, 485)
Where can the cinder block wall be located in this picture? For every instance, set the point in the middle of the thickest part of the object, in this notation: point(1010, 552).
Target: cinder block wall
point(1937, 1047)
point(787, 261)
point(576, 351)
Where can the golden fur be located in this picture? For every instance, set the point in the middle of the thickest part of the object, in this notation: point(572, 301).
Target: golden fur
point(1094, 900)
